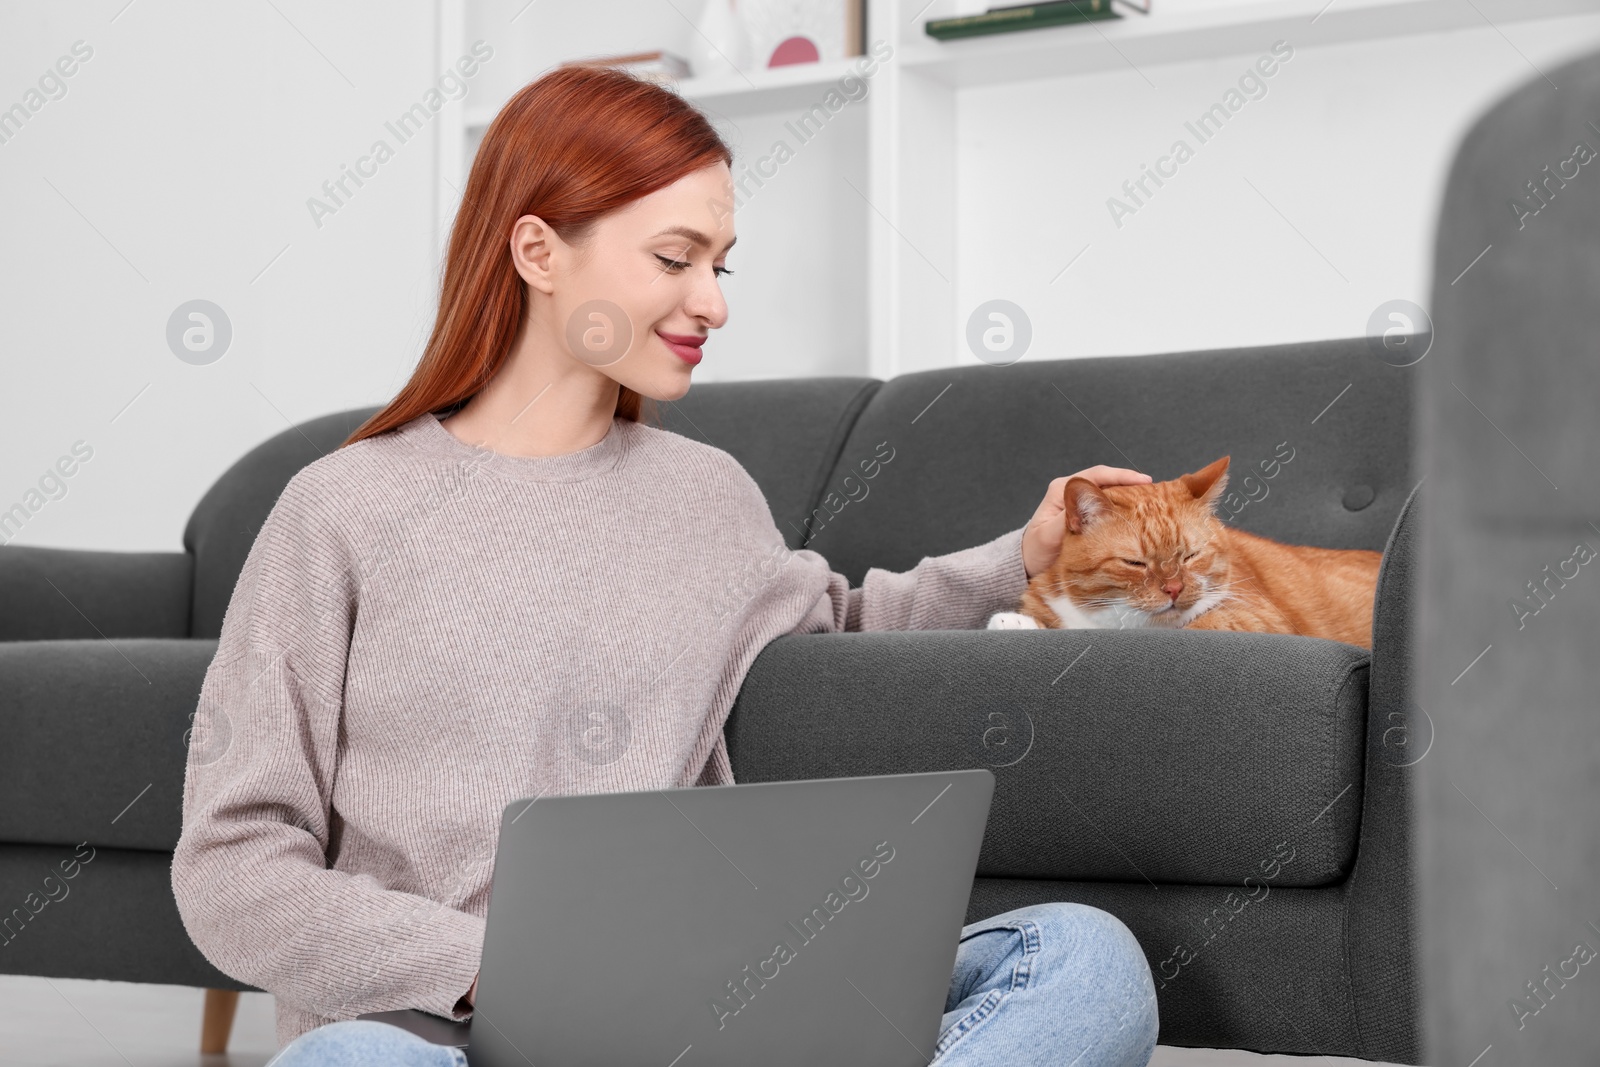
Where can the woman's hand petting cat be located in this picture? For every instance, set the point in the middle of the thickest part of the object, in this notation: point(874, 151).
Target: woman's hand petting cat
point(1041, 541)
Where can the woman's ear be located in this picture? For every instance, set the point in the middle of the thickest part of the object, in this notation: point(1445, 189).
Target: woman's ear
point(532, 243)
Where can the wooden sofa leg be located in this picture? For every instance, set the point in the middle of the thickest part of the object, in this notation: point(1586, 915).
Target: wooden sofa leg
point(216, 1025)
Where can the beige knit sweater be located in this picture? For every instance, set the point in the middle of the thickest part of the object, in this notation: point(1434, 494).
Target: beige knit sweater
point(425, 631)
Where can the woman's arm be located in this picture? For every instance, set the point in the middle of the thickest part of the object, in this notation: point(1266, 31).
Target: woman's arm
point(959, 590)
point(250, 872)
point(955, 591)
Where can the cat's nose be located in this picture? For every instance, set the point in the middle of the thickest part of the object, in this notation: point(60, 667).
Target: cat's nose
point(1173, 587)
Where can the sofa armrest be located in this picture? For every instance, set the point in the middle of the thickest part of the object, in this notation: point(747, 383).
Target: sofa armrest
point(1381, 933)
point(96, 740)
point(1404, 733)
point(1169, 756)
point(64, 594)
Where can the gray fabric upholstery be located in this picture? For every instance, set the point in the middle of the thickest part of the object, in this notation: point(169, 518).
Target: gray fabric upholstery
point(1507, 798)
point(1272, 978)
point(1110, 772)
point(972, 460)
point(64, 594)
point(1381, 944)
point(89, 725)
point(114, 920)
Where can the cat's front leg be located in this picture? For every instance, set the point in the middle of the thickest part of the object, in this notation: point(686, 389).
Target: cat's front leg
point(1012, 620)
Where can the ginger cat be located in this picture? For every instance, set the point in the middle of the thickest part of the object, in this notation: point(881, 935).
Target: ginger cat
point(1157, 555)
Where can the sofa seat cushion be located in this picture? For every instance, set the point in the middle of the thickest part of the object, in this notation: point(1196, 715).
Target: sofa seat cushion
point(1154, 756)
point(103, 913)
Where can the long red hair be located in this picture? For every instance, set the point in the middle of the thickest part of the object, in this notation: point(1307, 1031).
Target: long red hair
point(570, 147)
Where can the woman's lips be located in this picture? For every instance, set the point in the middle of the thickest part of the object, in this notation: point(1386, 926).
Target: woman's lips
point(685, 346)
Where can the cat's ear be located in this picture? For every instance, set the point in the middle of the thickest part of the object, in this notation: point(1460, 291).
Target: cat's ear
point(1084, 503)
point(1206, 485)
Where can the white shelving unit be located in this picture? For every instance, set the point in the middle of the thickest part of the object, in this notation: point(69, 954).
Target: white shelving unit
point(1182, 35)
point(778, 89)
point(903, 225)
point(916, 321)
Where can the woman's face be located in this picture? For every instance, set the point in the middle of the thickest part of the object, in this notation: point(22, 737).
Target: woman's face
point(639, 296)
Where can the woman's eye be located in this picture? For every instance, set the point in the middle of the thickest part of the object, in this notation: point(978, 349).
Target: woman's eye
point(675, 265)
point(1134, 562)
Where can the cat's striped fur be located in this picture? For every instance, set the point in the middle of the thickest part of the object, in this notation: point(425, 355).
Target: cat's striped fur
point(1157, 555)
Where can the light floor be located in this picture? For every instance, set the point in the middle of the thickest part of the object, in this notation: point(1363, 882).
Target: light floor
point(58, 1022)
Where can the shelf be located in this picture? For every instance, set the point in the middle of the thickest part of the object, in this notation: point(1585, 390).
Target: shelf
point(1180, 36)
point(775, 89)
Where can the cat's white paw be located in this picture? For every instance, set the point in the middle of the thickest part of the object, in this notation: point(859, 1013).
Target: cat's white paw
point(1011, 620)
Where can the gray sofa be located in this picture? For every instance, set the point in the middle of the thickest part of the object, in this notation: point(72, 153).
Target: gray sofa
point(1239, 800)
point(1508, 627)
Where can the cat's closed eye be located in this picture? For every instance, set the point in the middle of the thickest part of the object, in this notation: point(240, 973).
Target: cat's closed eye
point(1134, 562)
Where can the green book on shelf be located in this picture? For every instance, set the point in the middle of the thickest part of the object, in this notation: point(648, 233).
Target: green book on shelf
point(1021, 17)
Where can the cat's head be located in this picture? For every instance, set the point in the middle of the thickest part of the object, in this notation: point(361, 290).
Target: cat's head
point(1144, 555)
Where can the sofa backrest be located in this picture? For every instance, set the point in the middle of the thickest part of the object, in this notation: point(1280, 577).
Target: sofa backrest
point(958, 456)
point(972, 449)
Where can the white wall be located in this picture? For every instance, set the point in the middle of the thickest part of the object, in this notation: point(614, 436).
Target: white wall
point(177, 166)
point(1350, 144)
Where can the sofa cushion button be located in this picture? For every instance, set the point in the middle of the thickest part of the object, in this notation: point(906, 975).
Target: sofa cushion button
point(1357, 497)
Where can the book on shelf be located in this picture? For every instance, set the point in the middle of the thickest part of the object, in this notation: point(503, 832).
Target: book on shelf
point(1021, 17)
point(1132, 5)
point(657, 66)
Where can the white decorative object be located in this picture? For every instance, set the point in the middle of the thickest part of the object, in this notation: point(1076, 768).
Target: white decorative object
point(782, 32)
point(719, 46)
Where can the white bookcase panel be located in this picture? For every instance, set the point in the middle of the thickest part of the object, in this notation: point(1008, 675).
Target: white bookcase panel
point(962, 175)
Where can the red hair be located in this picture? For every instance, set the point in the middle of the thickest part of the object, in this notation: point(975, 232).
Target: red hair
point(572, 146)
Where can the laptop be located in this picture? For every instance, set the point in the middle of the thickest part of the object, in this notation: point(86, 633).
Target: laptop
point(781, 923)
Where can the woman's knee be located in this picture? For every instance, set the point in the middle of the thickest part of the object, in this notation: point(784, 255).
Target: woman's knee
point(1083, 938)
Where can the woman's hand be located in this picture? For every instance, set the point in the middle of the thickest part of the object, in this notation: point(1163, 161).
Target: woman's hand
point(1041, 541)
point(468, 999)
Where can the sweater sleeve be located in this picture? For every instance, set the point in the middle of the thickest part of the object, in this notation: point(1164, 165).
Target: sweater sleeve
point(251, 870)
point(955, 591)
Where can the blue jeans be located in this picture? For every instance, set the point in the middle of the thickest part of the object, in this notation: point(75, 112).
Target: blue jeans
point(1057, 984)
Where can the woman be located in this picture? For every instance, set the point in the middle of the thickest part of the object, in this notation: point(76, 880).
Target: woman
point(433, 616)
